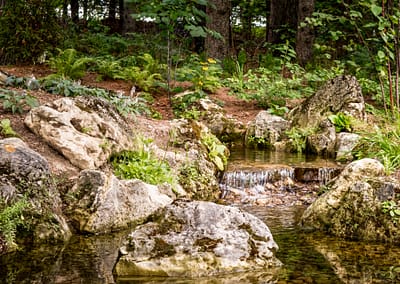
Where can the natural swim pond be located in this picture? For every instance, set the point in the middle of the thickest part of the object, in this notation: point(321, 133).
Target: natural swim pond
point(308, 257)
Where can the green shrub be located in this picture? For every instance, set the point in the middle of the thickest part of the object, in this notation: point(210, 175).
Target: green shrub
point(68, 64)
point(143, 165)
point(383, 145)
point(6, 129)
point(17, 102)
point(12, 218)
point(341, 122)
point(25, 35)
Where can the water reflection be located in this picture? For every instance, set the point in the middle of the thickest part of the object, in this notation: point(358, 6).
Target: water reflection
point(307, 258)
point(318, 258)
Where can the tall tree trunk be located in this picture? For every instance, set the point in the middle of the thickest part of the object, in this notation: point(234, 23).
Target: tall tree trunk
point(305, 35)
point(2, 4)
point(282, 18)
point(112, 9)
point(121, 17)
point(74, 10)
point(219, 21)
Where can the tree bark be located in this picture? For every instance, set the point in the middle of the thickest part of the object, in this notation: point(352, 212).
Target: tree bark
point(282, 18)
point(219, 21)
point(74, 10)
point(305, 35)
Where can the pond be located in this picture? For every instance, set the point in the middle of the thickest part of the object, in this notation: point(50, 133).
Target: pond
point(307, 257)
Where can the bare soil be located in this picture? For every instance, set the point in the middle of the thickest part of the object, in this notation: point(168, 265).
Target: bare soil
point(242, 110)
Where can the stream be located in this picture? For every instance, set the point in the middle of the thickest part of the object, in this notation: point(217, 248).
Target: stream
point(307, 257)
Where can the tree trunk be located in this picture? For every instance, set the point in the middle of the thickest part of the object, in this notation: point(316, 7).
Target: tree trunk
point(2, 4)
point(283, 18)
point(305, 35)
point(74, 10)
point(112, 9)
point(219, 21)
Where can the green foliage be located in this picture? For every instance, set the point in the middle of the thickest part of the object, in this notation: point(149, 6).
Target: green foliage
point(69, 65)
point(204, 74)
point(125, 105)
point(217, 152)
point(17, 102)
point(6, 129)
point(184, 103)
point(391, 208)
point(383, 145)
point(258, 142)
point(143, 165)
point(11, 219)
point(298, 138)
point(341, 121)
point(28, 32)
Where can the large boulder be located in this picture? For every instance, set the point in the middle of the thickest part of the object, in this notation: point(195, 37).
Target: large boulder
point(341, 94)
point(25, 174)
point(360, 204)
point(267, 130)
point(101, 203)
point(195, 239)
point(86, 130)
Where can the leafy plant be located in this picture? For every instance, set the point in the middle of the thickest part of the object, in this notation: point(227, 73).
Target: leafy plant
point(12, 218)
point(341, 121)
point(17, 102)
point(298, 138)
point(258, 142)
point(217, 152)
point(69, 65)
point(25, 34)
point(183, 102)
point(383, 145)
point(143, 165)
point(6, 128)
point(391, 208)
point(204, 74)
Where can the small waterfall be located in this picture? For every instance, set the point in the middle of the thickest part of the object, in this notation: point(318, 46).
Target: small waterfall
point(254, 179)
point(326, 174)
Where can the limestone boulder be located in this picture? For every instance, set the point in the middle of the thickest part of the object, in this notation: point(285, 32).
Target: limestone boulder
point(195, 239)
point(86, 130)
point(345, 144)
point(101, 203)
point(25, 174)
point(267, 130)
point(358, 204)
point(341, 94)
point(225, 127)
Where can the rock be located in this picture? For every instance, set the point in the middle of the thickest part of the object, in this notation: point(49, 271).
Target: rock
point(226, 128)
point(323, 142)
point(352, 206)
point(100, 203)
point(26, 174)
point(86, 130)
point(266, 130)
point(195, 239)
point(197, 157)
point(341, 94)
point(345, 143)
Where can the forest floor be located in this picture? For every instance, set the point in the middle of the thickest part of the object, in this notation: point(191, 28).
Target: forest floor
point(242, 110)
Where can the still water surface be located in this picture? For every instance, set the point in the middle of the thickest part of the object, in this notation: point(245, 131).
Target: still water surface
point(307, 257)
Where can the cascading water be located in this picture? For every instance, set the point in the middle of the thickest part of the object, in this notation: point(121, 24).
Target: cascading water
point(268, 182)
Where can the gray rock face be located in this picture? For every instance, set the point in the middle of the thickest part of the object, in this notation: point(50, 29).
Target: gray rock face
point(101, 203)
point(25, 173)
point(341, 94)
point(86, 130)
point(194, 239)
point(226, 128)
point(267, 128)
point(345, 143)
point(353, 205)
